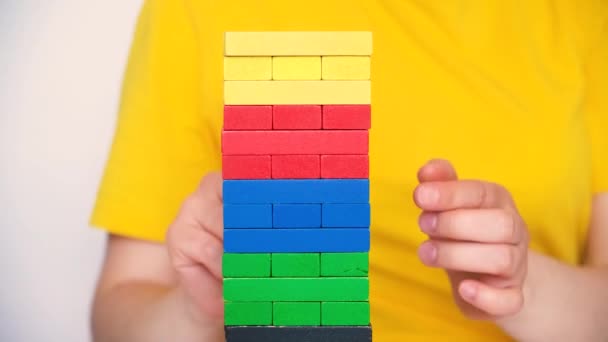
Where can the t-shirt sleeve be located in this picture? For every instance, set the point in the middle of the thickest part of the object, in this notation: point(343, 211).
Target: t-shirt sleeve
point(596, 105)
point(163, 144)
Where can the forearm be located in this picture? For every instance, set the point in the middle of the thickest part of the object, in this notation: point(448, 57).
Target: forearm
point(563, 303)
point(149, 312)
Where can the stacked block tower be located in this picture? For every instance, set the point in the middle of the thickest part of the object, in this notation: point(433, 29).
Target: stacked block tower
point(295, 142)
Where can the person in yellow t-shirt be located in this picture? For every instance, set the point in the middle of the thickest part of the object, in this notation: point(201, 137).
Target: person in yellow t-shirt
point(488, 159)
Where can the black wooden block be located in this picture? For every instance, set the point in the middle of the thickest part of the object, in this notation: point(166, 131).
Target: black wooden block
point(298, 334)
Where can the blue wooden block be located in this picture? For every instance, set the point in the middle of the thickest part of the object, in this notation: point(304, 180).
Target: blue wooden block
point(247, 215)
point(296, 216)
point(296, 240)
point(346, 215)
point(293, 191)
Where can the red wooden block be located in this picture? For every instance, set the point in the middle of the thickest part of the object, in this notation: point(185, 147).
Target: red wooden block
point(295, 142)
point(296, 166)
point(246, 167)
point(345, 166)
point(347, 117)
point(296, 117)
point(247, 117)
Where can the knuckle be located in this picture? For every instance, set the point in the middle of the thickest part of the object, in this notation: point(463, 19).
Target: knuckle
point(508, 226)
point(512, 303)
point(506, 260)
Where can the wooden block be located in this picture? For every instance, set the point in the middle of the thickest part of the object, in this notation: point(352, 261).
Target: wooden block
point(296, 240)
point(294, 191)
point(247, 68)
point(295, 142)
point(346, 67)
point(299, 166)
point(247, 118)
point(296, 289)
point(246, 167)
point(251, 265)
point(296, 68)
point(296, 92)
point(345, 313)
point(296, 117)
point(346, 215)
point(248, 313)
point(345, 166)
point(296, 314)
point(298, 334)
point(247, 215)
point(344, 264)
point(296, 265)
point(347, 117)
point(298, 43)
point(296, 216)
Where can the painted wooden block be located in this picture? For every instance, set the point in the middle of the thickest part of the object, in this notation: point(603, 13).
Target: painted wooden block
point(346, 67)
point(246, 167)
point(294, 68)
point(298, 43)
point(345, 166)
point(247, 68)
point(296, 240)
point(296, 289)
point(295, 142)
point(299, 166)
point(296, 117)
point(296, 92)
point(247, 118)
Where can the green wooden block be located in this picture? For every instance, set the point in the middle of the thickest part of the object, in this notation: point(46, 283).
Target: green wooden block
point(345, 313)
point(344, 264)
point(296, 314)
point(248, 313)
point(236, 265)
point(296, 265)
point(296, 289)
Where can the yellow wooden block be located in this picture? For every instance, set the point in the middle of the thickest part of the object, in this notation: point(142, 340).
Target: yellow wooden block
point(296, 92)
point(346, 68)
point(296, 68)
point(247, 68)
point(344, 43)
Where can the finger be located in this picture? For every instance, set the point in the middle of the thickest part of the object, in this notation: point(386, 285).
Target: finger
point(191, 247)
point(492, 300)
point(476, 225)
point(495, 259)
point(211, 186)
point(204, 291)
point(441, 196)
point(437, 170)
point(204, 208)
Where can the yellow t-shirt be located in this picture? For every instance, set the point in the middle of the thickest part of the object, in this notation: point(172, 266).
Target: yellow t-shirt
point(509, 91)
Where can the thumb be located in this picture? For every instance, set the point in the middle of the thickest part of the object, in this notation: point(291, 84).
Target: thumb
point(437, 170)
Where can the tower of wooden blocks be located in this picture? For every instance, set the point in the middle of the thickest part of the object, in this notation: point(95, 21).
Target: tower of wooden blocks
point(295, 142)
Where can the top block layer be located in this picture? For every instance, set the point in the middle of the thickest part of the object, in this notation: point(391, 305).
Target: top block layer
point(346, 43)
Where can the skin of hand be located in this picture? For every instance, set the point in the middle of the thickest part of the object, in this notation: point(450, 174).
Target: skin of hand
point(477, 236)
point(195, 247)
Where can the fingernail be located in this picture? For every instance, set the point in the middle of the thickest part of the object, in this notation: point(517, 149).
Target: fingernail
point(428, 222)
point(427, 195)
point(468, 291)
point(428, 253)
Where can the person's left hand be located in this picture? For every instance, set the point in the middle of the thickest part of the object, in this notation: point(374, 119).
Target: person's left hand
point(477, 235)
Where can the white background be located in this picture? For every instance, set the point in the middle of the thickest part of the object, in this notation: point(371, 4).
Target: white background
point(61, 67)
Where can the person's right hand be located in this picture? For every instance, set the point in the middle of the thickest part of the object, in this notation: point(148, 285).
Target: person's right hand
point(195, 246)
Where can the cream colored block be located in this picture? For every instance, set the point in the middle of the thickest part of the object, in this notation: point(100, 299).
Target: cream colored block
point(346, 68)
point(296, 92)
point(296, 68)
point(344, 43)
point(247, 68)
